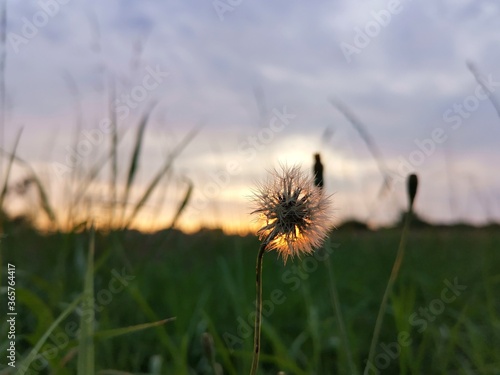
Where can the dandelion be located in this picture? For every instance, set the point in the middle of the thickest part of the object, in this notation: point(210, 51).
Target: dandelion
point(294, 212)
point(295, 217)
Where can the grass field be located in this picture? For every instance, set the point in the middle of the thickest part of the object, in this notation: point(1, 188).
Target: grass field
point(443, 316)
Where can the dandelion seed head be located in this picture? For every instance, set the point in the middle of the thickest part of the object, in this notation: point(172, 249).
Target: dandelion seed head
point(294, 212)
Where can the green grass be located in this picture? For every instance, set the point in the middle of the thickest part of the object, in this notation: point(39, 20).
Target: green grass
point(206, 281)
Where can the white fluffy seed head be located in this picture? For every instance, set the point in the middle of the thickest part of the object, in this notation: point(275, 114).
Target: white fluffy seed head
point(294, 212)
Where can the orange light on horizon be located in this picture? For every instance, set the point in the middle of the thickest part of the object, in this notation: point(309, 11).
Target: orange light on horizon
point(148, 225)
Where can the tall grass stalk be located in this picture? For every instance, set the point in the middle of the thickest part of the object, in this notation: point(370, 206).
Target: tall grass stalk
point(412, 190)
point(4, 193)
point(93, 173)
point(480, 80)
point(77, 102)
point(182, 206)
point(113, 150)
point(134, 160)
point(369, 141)
point(42, 194)
point(7, 174)
point(159, 175)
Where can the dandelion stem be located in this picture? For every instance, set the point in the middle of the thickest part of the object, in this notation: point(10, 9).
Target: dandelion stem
point(258, 309)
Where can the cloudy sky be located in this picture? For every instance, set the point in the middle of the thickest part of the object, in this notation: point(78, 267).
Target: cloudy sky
point(258, 79)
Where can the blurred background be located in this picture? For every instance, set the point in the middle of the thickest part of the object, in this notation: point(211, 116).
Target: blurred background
point(162, 116)
point(131, 110)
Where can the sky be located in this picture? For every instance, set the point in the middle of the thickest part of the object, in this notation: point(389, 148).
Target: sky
point(261, 83)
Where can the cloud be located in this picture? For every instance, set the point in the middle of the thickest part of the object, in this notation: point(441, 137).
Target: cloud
point(399, 85)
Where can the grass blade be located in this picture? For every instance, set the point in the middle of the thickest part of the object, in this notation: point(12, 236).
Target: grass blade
point(480, 80)
point(7, 172)
point(104, 335)
point(163, 170)
point(24, 365)
point(134, 161)
point(165, 339)
point(94, 172)
point(75, 171)
point(369, 141)
point(183, 204)
point(44, 200)
point(32, 302)
point(114, 149)
point(85, 364)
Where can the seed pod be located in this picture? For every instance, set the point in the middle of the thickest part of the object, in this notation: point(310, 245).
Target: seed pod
point(412, 189)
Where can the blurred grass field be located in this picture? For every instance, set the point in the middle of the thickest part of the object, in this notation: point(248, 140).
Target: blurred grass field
point(206, 281)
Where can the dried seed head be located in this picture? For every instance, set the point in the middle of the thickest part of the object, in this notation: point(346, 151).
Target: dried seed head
point(295, 213)
point(412, 189)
